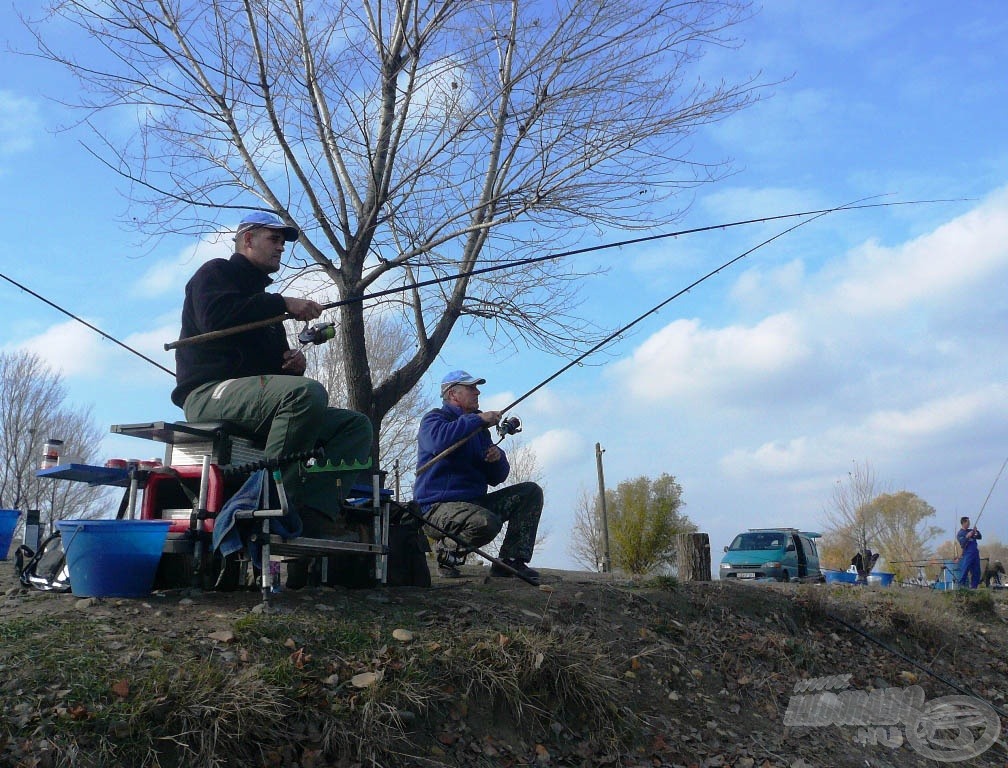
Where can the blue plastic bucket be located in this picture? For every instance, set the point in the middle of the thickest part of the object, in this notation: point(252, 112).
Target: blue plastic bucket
point(838, 577)
point(113, 558)
point(8, 522)
point(882, 578)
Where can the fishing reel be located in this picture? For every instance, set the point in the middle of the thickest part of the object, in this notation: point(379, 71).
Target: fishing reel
point(319, 333)
point(509, 426)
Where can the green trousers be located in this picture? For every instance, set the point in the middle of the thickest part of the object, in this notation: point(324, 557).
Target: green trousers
point(292, 414)
point(478, 521)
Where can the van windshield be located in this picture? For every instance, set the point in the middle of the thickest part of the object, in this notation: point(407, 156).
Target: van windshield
point(749, 541)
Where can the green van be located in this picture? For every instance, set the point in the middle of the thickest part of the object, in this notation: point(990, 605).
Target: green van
point(784, 554)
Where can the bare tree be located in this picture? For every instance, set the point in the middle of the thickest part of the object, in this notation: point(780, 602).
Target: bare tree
point(388, 346)
point(848, 516)
point(410, 140)
point(32, 409)
point(585, 545)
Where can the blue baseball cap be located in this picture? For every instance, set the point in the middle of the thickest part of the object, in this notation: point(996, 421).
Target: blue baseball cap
point(459, 377)
point(269, 221)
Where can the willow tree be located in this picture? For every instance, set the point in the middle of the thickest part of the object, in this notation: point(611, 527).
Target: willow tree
point(645, 519)
point(409, 139)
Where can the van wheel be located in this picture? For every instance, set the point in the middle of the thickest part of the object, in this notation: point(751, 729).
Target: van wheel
point(784, 577)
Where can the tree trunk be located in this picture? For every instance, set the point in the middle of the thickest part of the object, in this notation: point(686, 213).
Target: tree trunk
point(693, 557)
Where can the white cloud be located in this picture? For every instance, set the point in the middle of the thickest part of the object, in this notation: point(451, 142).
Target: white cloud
point(921, 427)
point(683, 358)
point(19, 123)
point(151, 342)
point(556, 447)
point(70, 349)
point(170, 275)
point(758, 287)
point(956, 255)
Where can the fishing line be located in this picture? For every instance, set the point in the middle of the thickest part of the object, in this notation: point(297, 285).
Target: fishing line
point(953, 685)
point(211, 335)
point(980, 513)
point(628, 326)
point(483, 270)
point(99, 331)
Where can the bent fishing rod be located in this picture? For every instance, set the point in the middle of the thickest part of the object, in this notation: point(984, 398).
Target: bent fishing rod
point(984, 505)
point(620, 331)
point(224, 332)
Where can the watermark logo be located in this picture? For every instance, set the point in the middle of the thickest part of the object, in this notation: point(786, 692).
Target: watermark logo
point(947, 729)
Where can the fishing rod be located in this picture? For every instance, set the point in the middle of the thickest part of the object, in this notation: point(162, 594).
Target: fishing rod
point(224, 332)
point(980, 513)
point(620, 331)
point(99, 331)
point(928, 670)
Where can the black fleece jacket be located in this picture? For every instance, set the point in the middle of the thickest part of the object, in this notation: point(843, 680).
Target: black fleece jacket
point(224, 293)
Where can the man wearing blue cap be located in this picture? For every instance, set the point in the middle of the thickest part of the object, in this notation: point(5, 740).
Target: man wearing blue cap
point(452, 492)
point(254, 379)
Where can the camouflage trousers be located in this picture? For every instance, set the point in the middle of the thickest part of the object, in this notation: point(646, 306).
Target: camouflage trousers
point(478, 521)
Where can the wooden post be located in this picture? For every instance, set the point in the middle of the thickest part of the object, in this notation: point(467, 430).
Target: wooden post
point(693, 557)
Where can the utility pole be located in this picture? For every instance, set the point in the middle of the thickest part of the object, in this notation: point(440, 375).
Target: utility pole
point(603, 519)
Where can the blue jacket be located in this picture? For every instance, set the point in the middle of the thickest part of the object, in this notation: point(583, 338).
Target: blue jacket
point(968, 545)
point(463, 474)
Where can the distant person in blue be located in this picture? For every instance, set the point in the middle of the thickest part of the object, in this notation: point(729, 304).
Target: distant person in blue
point(969, 563)
point(452, 492)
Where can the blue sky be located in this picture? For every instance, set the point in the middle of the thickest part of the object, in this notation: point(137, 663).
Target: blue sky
point(873, 336)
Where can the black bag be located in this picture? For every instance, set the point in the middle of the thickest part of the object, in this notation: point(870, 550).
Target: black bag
point(46, 569)
point(408, 548)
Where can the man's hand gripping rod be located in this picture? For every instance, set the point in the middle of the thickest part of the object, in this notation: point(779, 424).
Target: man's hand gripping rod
point(508, 426)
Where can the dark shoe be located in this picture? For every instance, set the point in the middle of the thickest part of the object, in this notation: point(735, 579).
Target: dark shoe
point(448, 561)
point(522, 570)
point(448, 572)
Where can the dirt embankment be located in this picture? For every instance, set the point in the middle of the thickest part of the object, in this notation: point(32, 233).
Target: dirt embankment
point(586, 671)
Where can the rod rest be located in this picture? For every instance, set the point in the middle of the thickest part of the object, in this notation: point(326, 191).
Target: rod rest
point(231, 470)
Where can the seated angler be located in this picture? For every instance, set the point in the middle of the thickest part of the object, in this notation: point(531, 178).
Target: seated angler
point(452, 491)
point(254, 380)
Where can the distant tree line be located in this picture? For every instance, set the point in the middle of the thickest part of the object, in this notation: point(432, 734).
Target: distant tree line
point(899, 526)
point(33, 408)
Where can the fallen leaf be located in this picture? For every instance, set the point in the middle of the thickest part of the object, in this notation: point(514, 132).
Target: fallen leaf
point(78, 712)
point(366, 679)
